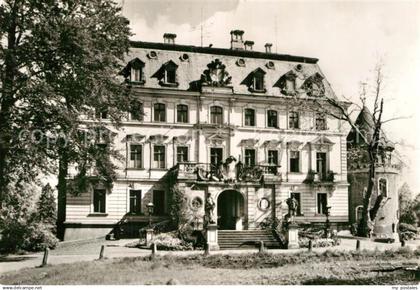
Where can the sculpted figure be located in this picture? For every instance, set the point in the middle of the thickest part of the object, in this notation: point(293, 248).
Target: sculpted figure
point(210, 205)
point(292, 204)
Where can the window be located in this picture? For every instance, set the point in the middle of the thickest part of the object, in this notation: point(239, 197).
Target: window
point(170, 75)
point(294, 161)
point(296, 195)
point(287, 83)
point(135, 201)
point(258, 82)
point(290, 85)
point(136, 111)
point(249, 117)
point(321, 165)
point(255, 81)
point(293, 120)
point(159, 112)
point(182, 153)
point(358, 212)
point(136, 74)
point(101, 113)
point(273, 157)
point(320, 122)
point(99, 197)
point(159, 156)
point(182, 113)
point(135, 156)
point(249, 157)
point(322, 203)
point(272, 121)
point(216, 115)
point(216, 156)
point(159, 202)
point(383, 190)
point(167, 74)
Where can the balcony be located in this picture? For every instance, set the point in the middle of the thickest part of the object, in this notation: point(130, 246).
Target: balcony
point(228, 172)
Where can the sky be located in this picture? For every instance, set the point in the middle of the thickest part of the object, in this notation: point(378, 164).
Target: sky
point(349, 38)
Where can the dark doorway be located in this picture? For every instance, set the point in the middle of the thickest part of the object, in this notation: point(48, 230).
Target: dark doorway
point(230, 210)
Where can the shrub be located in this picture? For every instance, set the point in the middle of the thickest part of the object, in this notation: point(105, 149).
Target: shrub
point(39, 236)
point(318, 243)
point(170, 242)
point(22, 225)
point(403, 227)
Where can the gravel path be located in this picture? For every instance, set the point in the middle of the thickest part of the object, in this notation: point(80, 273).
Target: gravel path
point(70, 252)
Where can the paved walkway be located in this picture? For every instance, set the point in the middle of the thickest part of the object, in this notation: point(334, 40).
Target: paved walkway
point(89, 251)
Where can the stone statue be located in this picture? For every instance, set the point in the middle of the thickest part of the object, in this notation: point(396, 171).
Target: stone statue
point(229, 168)
point(210, 205)
point(292, 204)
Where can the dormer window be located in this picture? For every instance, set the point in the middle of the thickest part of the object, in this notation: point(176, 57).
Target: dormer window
point(258, 82)
point(136, 75)
point(134, 72)
point(167, 75)
point(170, 76)
point(287, 84)
point(314, 86)
point(255, 81)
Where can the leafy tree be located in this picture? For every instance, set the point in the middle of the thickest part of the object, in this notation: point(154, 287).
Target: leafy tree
point(22, 227)
point(404, 197)
point(58, 63)
point(46, 206)
point(409, 208)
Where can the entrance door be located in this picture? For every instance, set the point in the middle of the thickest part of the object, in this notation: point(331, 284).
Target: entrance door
point(230, 210)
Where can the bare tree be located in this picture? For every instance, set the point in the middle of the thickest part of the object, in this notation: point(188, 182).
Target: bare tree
point(369, 141)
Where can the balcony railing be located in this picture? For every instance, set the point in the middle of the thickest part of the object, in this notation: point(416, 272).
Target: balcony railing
point(226, 172)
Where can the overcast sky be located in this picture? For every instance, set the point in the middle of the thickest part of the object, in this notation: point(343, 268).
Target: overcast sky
point(349, 38)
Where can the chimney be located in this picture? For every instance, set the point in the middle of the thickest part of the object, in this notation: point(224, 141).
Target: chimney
point(236, 42)
point(268, 47)
point(248, 44)
point(169, 38)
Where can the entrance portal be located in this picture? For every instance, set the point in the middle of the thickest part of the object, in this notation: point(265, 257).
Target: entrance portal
point(230, 210)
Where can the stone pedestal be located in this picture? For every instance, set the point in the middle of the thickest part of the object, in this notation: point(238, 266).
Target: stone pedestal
point(212, 237)
point(293, 237)
point(149, 237)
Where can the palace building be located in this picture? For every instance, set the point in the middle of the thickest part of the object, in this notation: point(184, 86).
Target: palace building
point(235, 125)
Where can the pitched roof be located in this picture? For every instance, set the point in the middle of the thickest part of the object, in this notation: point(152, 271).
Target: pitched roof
point(366, 123)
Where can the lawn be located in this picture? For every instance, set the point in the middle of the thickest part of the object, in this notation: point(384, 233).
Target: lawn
point(330, 267)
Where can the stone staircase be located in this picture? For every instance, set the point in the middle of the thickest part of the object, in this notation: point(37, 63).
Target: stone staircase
point(231, 239)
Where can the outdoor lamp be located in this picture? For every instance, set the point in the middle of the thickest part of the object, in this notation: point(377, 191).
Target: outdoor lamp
point(150, 207)
point(328, 211)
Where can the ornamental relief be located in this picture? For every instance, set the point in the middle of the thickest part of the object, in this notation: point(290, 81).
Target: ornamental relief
point(216, 75)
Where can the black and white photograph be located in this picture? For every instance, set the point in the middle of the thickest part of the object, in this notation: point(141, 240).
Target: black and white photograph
point(209, 142)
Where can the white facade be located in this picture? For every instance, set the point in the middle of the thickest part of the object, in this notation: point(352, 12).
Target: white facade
point(236, 134)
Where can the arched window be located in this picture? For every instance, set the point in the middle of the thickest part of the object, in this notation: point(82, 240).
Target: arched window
point(249, 117)
point(182, 113)
point(216, 115)
point(383, 187)
point(159, 112)
point(358, 212)
point(272, 119)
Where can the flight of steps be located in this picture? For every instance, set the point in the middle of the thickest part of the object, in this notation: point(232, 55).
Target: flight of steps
point(229, 239)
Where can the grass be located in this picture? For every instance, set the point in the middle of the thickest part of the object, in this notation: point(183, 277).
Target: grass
point(330, 267)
